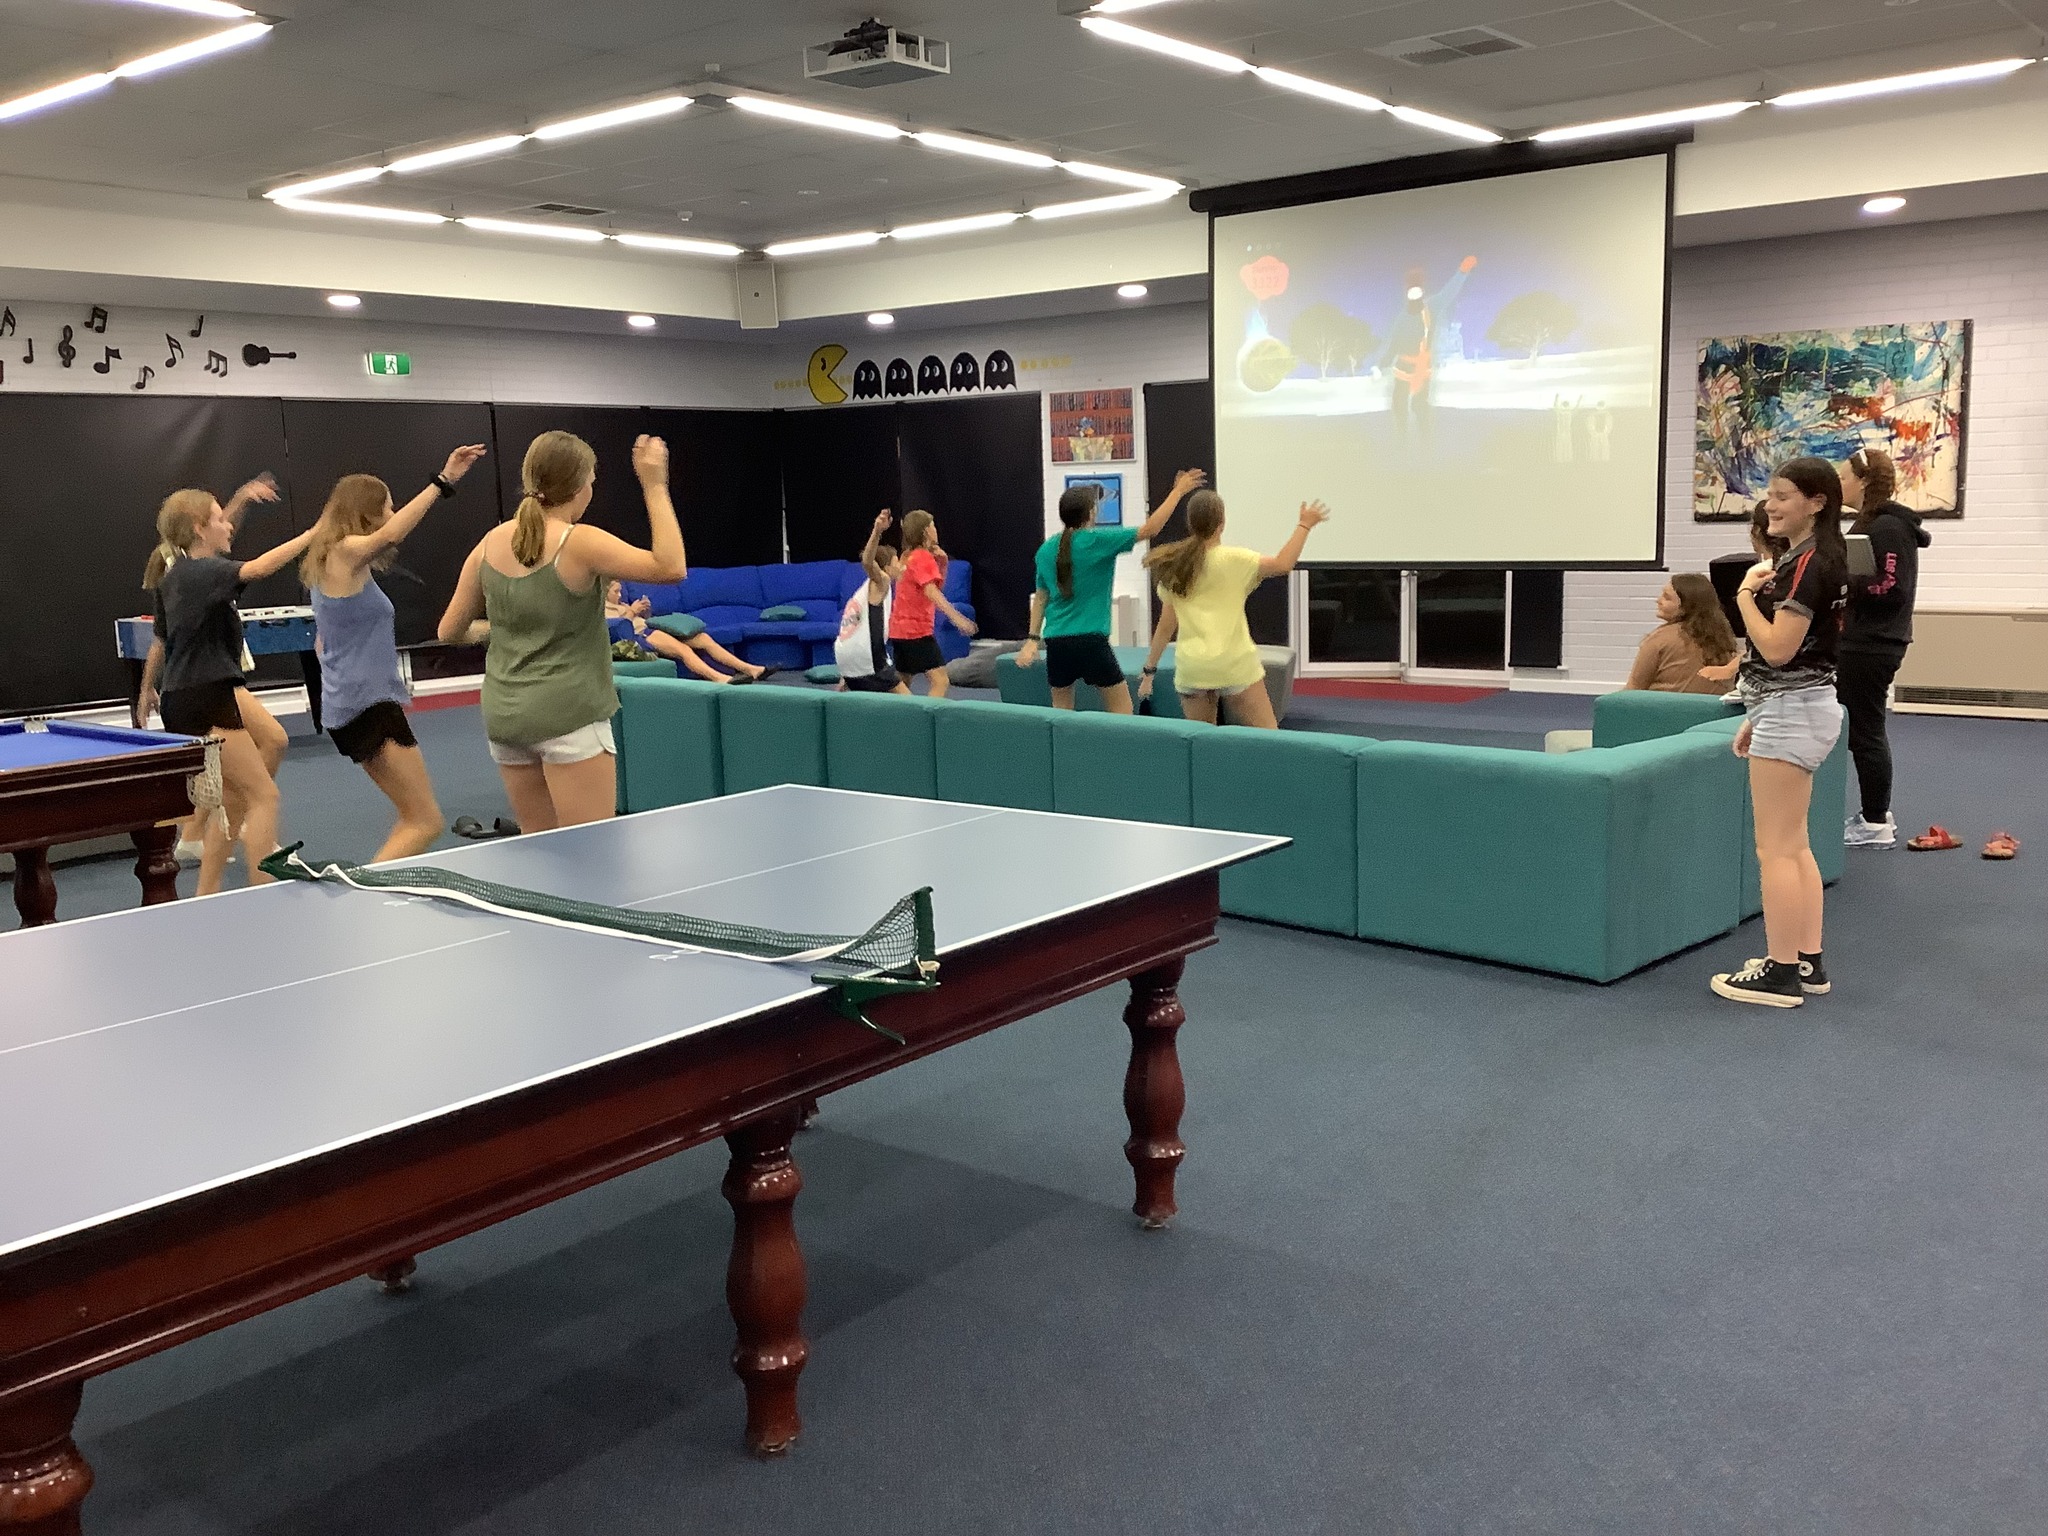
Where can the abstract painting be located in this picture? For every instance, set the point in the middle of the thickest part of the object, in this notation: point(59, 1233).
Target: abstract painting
point(1766, 399)
point(1093, 426)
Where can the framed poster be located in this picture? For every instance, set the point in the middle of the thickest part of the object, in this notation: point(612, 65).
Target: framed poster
point(1093, 426)
point(1109, 497)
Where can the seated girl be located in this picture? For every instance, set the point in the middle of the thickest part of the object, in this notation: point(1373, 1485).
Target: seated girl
point(690, 652)
point(1688, 650)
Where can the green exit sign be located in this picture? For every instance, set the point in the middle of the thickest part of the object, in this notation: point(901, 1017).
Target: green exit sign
point(390, 365)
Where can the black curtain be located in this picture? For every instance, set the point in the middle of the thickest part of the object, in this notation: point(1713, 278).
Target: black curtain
point(1536, 628)
point(977, 466)
point(86, 475)
point(725, 473)
point(404, 443)
point(839, 468)
point(616, 506)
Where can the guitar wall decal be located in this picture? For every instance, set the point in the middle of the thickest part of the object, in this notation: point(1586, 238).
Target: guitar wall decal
point(67, 354)
point(254, 356)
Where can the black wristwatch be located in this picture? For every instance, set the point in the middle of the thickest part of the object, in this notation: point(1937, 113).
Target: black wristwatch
point(1035, 639)
point(444, 485)
point(1151, 672)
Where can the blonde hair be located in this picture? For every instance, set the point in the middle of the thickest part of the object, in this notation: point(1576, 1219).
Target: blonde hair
point(917, 527)
point(352, 510)
point(556, 467)
point(177, 524)
point(1178, 566)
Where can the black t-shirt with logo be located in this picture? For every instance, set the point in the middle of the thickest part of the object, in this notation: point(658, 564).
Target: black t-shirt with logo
point(1809, 583)
point(197, 622)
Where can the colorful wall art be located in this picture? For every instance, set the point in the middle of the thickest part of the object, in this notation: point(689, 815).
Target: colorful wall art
point(1765, 399)
point(1093, 426)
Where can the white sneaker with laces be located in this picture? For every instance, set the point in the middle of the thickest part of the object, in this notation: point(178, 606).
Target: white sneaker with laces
point(1858, 833)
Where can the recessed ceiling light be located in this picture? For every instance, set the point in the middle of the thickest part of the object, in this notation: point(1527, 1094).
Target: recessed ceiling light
point(1132, 291)
point(641, 322)
point(345, 300)
point(1884, 205)
point(881, 319)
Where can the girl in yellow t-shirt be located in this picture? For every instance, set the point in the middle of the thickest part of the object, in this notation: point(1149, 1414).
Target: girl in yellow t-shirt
point(1202, 587)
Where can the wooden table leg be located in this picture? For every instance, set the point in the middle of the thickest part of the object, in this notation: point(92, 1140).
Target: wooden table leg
point(764, 1283)
point(395, 1279)
point(1154, 1092)
point(156, 863)
point(43, 1479)
point(35, 893)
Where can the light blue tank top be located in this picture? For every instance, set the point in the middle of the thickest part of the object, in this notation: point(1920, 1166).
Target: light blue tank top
point(358, 653)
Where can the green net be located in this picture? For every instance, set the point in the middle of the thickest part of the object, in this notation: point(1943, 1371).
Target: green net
point(898, 953)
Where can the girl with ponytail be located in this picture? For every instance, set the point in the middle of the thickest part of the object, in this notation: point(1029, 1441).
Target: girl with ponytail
point(920, 597)
point(1202, 587)
point(197, 658)
point(535, 587)
point(1875, 634)
point(1076, 570)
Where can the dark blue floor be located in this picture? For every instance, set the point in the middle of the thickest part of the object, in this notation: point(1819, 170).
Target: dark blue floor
point(1462, 1249)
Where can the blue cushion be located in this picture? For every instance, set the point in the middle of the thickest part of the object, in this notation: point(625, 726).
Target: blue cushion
point(814, 579)
point(683, 626)
point(959, 584)
point(728, 616)
point(737, 586)
point(782, 613)
point(806, 632)
point(619, 629)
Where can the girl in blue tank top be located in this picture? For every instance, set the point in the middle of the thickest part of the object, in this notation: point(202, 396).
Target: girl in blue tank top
point(363, 695)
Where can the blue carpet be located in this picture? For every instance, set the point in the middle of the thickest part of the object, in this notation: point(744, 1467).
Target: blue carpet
point(1462, 1249)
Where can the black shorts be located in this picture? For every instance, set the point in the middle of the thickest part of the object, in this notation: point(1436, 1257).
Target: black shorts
point(915, 656)
point(1081, 658)
point(880, 682)
point(363, 737)
point(201, 710)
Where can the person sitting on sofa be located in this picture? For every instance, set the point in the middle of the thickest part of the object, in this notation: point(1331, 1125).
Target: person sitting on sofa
point(1685, 652)
point(862, 650)
point(690, 652)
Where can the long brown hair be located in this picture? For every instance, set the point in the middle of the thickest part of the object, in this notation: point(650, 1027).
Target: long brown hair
point(1700, 616)
point(354, 508)
point(1880, 477)
point(177, 523)
point(917, 531)
point(1810, 476)
point(1761, 539)
point(556, 467)
point(1077, 509)
point(1178, 566)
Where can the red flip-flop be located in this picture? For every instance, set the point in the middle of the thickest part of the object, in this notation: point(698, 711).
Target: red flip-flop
point(1932, 839)
point(2003, 845)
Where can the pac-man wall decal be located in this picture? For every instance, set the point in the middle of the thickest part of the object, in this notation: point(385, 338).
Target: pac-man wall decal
point(818, 374)
point(828, 383)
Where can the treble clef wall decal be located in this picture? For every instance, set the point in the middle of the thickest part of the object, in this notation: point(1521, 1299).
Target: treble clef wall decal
point(67, 354)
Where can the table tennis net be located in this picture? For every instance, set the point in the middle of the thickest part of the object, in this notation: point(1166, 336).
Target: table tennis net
point(897, 953)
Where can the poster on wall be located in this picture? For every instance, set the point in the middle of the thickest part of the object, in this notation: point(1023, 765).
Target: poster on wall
point(1093, 426)
point(1765, 399)
point(1109, 497)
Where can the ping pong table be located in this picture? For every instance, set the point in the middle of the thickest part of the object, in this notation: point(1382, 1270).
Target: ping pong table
point(214, 1107)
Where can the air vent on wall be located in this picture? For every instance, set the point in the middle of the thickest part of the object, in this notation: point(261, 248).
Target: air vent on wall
point(1974, 698)
point(580, 211)
point(1449, 47)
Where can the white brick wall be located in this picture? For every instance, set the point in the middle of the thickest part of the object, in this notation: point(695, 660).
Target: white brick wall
point(1991, 271)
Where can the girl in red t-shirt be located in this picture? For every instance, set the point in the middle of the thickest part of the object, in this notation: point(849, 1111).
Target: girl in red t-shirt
point(918, 593)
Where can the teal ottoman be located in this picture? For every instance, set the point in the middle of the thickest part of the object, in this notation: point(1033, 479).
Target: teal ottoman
point(770, 736)
point(994, 754)
point(667, 733)
point(881, 743)
point(1297, 784)
point(1124, 766)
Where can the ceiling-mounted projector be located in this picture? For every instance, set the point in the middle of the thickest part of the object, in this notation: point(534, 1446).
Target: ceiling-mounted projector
point(875, 54)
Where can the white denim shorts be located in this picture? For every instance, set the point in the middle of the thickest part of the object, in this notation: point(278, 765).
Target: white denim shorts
point(1799, 727)
point(575, 747)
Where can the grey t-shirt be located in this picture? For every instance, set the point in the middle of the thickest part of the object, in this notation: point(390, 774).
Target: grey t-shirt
point(198, 624)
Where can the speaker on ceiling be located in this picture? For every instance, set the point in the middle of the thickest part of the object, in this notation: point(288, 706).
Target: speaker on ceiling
point(755, 275)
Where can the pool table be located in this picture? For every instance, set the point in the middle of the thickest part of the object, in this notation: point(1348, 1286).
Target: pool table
point(64, 782)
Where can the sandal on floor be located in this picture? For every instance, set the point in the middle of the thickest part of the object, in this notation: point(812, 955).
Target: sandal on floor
point(503, 827)
point(2003, 845)
point(469, 826)
point(1934, 838)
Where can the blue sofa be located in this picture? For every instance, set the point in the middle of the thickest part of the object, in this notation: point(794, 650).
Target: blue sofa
point(730, 600)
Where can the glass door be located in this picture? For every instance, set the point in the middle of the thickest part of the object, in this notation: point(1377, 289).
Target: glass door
point(1460, 621)
point(1350, 620)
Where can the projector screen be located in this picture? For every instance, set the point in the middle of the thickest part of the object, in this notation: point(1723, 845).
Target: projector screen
point(1469, 373)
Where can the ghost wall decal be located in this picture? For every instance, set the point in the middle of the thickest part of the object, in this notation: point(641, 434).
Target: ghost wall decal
point(899, 380)
point(1000, 371)
point(966, 372)
point(867, 381)
point(931, 376)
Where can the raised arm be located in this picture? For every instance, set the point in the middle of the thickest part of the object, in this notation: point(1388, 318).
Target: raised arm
point(270, 562)
point(868, 560)
point(605, 555)
point(464, 622)
point(361, 549)
point(1312, 513)
point(1162, 636)
point(1187, 481)
point(1778, 638)
point(262, 488)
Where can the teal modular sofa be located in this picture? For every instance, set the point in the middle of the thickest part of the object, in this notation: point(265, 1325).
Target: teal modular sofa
point(1590, 864)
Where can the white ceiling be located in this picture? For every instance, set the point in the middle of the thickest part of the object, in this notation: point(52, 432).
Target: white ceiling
point(343, 82)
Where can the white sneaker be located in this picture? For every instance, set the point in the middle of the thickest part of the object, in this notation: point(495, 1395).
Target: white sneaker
point(1858, 833)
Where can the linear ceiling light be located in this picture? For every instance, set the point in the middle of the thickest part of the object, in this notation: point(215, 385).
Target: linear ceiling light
point(1173, 47)
point(219, 8)
point(1416, 117)
point(456, 154)
point(51, 95)
point(1102, 204)
point(319, 184)
point(679, 245)
point(1989, 70)
point(545, 231)
point(964, 226)
point(823, 243)
point(813, 117)
point(366, 211)
point(1111, 174)
point(1118, 7)
point(1320, 89)
point(952, 144)
point(617, 117)
point(185, 53)
point(1638, 124)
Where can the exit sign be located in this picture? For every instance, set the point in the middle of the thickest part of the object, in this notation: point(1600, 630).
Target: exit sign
point(390, 365)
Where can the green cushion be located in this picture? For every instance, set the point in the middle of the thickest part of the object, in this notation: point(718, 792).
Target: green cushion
point(770, 736)
point(1589, 863)
point(683, 626)
point(826, 674)
point(1124, 766)
point(880, 743)
point(783, 613)
point(993, 754)
point(668, 740)
point(658, 667)
point(1297, 784)
point(1637, 714)
point(1022, 685)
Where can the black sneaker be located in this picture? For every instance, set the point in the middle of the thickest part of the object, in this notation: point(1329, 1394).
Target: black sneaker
point(1813, 975)
point(1762, 981)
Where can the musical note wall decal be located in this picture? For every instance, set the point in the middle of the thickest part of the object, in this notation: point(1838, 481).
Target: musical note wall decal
point(31, 357)
point(216, 364)
point(106, 364)
point(142, 379)
point(67, 354)
point(177, 350)
point(254, 356)
point(97, 321)
point(198, 326)
point(7, 322)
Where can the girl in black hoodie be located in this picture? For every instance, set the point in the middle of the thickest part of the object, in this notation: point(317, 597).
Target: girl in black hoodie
point(1875, 633)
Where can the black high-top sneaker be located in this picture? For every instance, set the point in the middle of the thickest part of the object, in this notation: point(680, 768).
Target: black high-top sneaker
point(1813, 975)
point(1762, 981)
